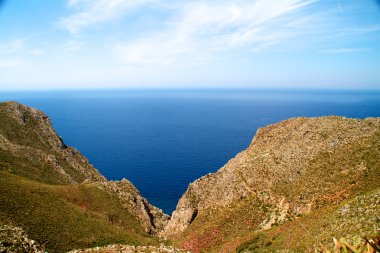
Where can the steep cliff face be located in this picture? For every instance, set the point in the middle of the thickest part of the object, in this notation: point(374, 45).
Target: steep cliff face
point(291, 168)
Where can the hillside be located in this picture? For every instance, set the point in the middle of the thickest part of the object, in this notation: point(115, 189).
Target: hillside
point(30, 147)
point(300, 183)
point(291, 169)
point(352, 219)
point(67, 217)
point(57, 197)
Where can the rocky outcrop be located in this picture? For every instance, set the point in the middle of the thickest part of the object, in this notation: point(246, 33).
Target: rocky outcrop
point(294, 167)
point(30, 147)
point(354, 221)
point(15, 240)
point(151, 218)
point(119, 248)
point(27, 139)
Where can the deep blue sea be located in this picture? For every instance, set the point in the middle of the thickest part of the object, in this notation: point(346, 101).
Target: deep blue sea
point(162, 140)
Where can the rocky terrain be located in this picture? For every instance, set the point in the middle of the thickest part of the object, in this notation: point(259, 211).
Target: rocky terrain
point(291, 169)
point(27, 139)
point(300, 183)
point(352, 220)
point(33, 156)
point(151, 218)
point(119, 248)
point(15, 240)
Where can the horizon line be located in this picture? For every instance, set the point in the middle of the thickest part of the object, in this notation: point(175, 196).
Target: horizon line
point(165, 88)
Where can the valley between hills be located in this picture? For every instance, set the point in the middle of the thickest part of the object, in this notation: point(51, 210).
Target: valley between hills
point(299, 185)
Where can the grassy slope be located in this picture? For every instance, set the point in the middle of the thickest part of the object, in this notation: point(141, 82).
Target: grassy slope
point(26, 134)
point(36, 196)
point(234, 228)
point(356, 217)
point(333, 176)
point(66, 217)
point(26, 164)
point(220, 230)
point(32, 155)
point(224, 229)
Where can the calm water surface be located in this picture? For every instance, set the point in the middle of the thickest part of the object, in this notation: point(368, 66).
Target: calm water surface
point(163, 140)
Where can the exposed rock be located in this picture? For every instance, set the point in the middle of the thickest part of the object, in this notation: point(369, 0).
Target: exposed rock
point(360, 216)
point(15, 240)
point(119, 248)
point(284, 167)
point(27, 135)
point(30, 147)
point(151, 218)
point(351, 221)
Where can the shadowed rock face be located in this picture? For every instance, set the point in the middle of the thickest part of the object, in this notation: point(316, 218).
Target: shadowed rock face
point(294, 167)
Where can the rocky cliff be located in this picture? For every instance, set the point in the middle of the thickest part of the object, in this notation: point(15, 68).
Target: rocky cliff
point(290, 169)
point(38, 169)
point(30, 147)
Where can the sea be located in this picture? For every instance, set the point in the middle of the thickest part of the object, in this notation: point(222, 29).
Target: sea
point(162, 140)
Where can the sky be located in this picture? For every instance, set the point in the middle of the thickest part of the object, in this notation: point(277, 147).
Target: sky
point(80, 44)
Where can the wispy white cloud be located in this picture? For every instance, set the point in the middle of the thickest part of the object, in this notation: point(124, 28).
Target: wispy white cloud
point(93, 12)
point(17, 48)
point(198, 30)
point(71, 3)
point(72, 45)
point(12, 47)
point(344, 50)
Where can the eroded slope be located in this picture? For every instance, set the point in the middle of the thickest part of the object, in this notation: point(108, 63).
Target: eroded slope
point(290, 169)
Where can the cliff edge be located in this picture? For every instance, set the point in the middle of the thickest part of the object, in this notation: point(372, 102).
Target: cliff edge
point(291, 169)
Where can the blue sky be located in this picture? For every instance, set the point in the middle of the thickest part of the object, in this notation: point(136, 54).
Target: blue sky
point(54, 44)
